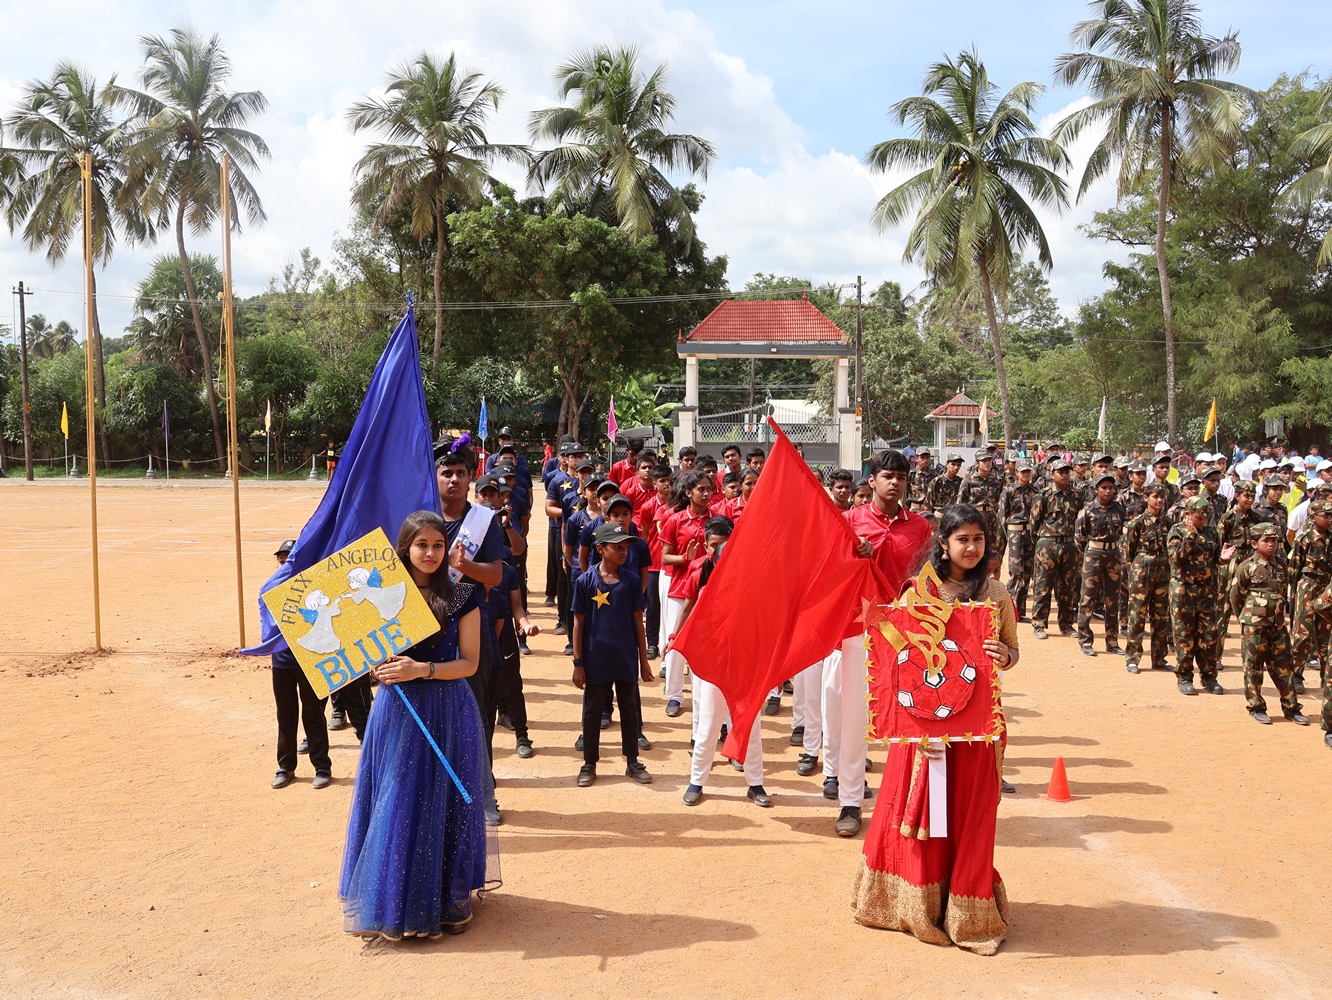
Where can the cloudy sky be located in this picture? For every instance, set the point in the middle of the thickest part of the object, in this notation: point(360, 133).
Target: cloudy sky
point(791, 93)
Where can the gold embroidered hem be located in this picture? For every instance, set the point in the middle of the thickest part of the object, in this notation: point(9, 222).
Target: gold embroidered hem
point(881, 899)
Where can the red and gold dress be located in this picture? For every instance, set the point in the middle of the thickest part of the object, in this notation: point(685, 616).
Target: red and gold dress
point(942, 889)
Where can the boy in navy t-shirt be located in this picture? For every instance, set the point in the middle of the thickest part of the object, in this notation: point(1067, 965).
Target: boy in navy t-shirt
point(610, 650)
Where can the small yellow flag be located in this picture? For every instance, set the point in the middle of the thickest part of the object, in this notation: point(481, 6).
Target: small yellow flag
point(64, 420)
point(1211, 422)
point(268, 417)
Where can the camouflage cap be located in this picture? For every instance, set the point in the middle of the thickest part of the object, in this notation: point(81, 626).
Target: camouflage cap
point(1103, 457)
point(1162, 458)
point(1059, 464)
point(984, 456)
point(1210, 471)
point(1156, 487)
point(1137, 467)
point(953, 456)
point(1188, 478)
point(1104, 477)
point(1023, 465)
point(1195, 504)
point(1122, 462)
point(1265, 529)
point(1320, 507)
point(1081, 460)
point(1274, 483)
point(1246, 486)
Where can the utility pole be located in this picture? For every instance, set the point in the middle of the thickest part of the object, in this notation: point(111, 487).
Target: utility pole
point(23, 294)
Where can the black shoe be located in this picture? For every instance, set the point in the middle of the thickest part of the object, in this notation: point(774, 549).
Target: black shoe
point(830, 790)
point(673, 709)
point(1186, 687)
point(806, 764)
point(788, 687)
point(1088, 651)
point(578, 744)
point(1211, 685)
point(1297, 718)
point(1298, 684)
point(568, 649)
point(661, 674)
point(1327, 740)
point(523, 647)
point(1131, 666)
point(1123, 630)
point(605, 721)
point(493, 816)
point(772, 706)
point(1038, 632)
point(735, 764)
point(1007, 786)
point(758, 796)
point(693, 795)
point(1115, 650)
point(869, 766)
point(848, 821)
point(525, 748)
point(1022, 617)
point(338, 720)
point(1261, 718)
point(504, 720)
point(454, 929)
point(549, 602)
point(282, 779)
point(644, 743)
point(322, 779)
point(1164, 666)
point(560, 629)
point(723, 733)
point(797, 737)
point(1068, 632)
point(304, 747)
point(653, 652)
point(634, 769)
point(586, 775)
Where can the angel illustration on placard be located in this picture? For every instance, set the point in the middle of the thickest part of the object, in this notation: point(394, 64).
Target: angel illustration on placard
point(368, 585)
point(319, 611)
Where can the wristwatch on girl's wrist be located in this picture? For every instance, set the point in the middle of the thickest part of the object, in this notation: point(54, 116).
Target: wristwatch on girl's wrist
point(431, 675)
point(577, 661)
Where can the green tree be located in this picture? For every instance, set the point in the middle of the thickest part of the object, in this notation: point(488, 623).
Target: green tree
point(436, 156)
point(46, 341)
point(55, 123)
point(185, 121)
point(51, 383)
point(1153, 78)
point(980, 159)
point(1316, 144)
point(276, 369)
point(162, 330)
point(616, 152)
point(137, 392)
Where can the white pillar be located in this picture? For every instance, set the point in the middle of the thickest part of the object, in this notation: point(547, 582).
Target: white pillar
point(687, 431)
point(691, 382)
point(849, 440)
point(841, 398)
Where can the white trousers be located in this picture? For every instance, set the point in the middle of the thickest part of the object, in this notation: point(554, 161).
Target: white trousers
point(830, 704)
point(710, 711)
point(854, 747)
point(807, 706)
point(673, 662)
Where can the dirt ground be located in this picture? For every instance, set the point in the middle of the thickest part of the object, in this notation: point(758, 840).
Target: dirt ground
point(145, 854)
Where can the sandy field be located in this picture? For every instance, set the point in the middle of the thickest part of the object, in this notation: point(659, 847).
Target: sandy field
point(146, 856)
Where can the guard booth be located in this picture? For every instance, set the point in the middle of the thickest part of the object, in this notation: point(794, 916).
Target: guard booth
point(789, 328)
point(957, 428)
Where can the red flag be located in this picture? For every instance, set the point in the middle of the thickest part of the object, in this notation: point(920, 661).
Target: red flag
point(788, 589)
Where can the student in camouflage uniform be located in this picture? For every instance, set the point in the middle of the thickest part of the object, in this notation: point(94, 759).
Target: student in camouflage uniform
point(1189, 487)
point(1161, 470)
point(1236, 529)
point(1270, 508)
point(943, 491)
point(1258, 598)
point(1014, 513)
point(1311, 572)
point(1211, 479)
point(1195, 558)
point(1134, 502)
point(1079, 482)
point(1148, 580)
point(1324, 603)
point(1055, 558)
point(981, 490)
point(1097, 530)
point(918, 483)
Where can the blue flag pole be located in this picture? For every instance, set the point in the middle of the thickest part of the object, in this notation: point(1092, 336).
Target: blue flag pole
point(483, 424)
point(433, 745)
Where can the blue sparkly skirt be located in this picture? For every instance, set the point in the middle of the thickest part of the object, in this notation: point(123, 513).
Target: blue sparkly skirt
point(415, 849)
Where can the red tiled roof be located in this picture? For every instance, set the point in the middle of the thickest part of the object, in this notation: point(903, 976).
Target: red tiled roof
point(785, 321)
point(960, 405)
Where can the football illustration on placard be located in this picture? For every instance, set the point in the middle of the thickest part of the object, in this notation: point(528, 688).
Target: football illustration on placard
point(935, 692)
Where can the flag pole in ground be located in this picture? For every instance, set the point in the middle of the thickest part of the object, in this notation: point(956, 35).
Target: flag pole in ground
point(166, 437)
point(483, 426)
point(611, 428)
point(90, 414)
point(268, 423)
point(229, 331)
point(1101, 426)
point(64, 429)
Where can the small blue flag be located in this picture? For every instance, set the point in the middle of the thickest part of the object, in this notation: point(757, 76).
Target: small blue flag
point(385, 472)
point(483, 424)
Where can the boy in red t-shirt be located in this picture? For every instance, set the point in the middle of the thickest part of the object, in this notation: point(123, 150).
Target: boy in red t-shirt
point(681, 544)
point(649, 527)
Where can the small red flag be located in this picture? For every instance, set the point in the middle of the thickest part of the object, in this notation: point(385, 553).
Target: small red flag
point(787, 590)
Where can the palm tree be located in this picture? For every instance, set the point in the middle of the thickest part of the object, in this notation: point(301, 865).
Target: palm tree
point(55, 123)
point(436, 154)
point(162, 329)
point(185, 119)
point(980, 158)
point(615, 166)
point(1152, 75)
point(1316, 145)
point(46, 341)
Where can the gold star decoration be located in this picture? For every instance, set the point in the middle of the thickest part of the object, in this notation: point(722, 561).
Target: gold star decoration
point(602, 598)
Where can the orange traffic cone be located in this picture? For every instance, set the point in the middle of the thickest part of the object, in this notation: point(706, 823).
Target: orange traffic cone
point(1058, 790)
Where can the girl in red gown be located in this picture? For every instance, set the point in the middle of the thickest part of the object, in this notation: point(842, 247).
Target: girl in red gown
point(944, 889)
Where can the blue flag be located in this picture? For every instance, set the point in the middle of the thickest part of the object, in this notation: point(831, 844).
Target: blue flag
point(483, 423)
point(385, 472)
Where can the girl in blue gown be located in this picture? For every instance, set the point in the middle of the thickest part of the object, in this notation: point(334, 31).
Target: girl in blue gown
point(415, 849)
